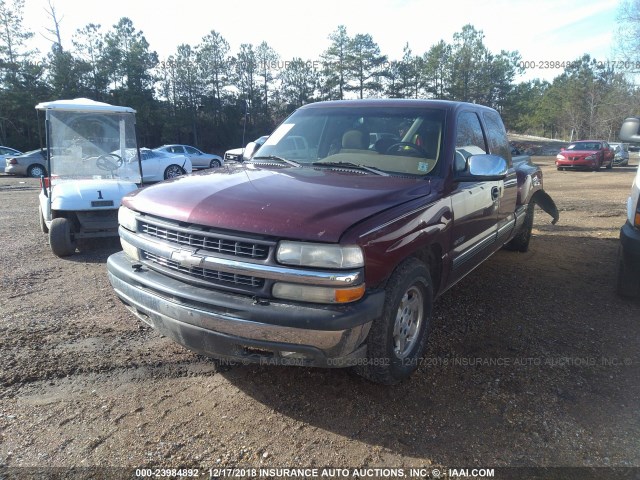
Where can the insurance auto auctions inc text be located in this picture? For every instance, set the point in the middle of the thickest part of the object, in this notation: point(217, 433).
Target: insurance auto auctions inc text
point(353, 473)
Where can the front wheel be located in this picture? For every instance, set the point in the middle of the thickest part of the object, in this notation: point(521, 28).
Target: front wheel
point(214, 163)
point(61, 237)
point(398, 338)
point(173, 171)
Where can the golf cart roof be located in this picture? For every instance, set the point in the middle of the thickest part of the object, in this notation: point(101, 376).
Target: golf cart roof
point(83, 105)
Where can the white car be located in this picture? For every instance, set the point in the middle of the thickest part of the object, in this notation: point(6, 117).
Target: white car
point(6, 152)
point(198, 158)
point(245, 153)
point(158, 165)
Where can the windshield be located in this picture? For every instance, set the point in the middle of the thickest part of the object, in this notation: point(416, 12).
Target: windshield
point(93, 145)
point(584, 146)
point(399, 139)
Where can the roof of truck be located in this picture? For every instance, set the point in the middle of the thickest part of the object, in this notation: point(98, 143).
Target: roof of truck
point(83, 105)
point(397, 102)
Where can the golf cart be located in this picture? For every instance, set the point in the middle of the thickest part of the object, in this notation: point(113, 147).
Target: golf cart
point(92, 162)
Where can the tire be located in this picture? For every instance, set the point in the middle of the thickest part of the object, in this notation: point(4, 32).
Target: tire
point(61, 237)
point(398, 338)
point(215, 163)
point(610, 166)
point(36, 171)
point(627, 275)
point(173, 171)
point(520, 243)
point(597, 167)
point(43, 224)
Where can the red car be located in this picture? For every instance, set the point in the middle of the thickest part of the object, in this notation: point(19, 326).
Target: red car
point(585, 154)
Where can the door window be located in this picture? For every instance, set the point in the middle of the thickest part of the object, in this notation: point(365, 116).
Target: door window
point(469, 139)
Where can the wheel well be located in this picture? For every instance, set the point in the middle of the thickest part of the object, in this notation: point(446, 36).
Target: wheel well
point(71, 216)
point(431, 256)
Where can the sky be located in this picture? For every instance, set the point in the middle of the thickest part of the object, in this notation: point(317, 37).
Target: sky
point(542, 31)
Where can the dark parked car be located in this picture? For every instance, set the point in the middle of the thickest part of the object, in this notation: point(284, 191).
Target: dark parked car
point(586, 155)
point(620, 154)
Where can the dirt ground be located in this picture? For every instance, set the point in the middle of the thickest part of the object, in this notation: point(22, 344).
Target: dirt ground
point(533, 361)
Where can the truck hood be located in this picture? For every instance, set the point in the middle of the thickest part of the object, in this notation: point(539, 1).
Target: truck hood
point(79, 194)
point(314, 204)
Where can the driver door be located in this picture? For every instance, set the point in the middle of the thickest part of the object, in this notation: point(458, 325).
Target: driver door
point(150, 166)
point(474, 204)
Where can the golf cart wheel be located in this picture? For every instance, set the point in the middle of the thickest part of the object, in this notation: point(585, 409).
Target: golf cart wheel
point(173, 171)
point(43, 224)
point(61, 237)
point(36, 170)
point(214, 163)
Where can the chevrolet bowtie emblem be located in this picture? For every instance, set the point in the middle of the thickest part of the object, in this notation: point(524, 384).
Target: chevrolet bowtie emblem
point(186, 258)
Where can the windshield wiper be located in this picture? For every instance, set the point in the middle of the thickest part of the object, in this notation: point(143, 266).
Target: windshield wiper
point(357, 166)
point(293, 163)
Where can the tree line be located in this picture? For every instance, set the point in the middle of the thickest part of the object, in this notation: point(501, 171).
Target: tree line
point(203, 94)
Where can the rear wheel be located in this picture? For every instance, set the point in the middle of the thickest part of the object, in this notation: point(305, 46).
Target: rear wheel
point(173, 171)
point(61, 237)
point(398, 338)
point(36, 170)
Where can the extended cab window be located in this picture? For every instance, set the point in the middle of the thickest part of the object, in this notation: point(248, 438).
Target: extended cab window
point(469, 139)
point(497, 136)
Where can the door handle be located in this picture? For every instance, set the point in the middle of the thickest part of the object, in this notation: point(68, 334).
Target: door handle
point(495, 193)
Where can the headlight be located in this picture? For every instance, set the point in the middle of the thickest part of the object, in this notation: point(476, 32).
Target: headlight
point(130, 250)
point(127, 218)
point(319, 255)
point(590, 157)
point(306, 293)
point(560, 157)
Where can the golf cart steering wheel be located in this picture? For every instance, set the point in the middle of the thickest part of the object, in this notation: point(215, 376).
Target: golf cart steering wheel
point(107, 162)
point(397, 146)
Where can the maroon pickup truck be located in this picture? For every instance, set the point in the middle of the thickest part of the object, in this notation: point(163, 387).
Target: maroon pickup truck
point(330, 245)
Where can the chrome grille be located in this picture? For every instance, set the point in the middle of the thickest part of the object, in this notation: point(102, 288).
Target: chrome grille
point(205, 273)
point(206, 241)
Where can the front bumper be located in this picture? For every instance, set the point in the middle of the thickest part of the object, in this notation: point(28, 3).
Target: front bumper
point(239, 328)
point(577, 164)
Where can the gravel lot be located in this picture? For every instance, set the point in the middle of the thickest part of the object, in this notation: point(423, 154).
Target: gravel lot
point(533, 361)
